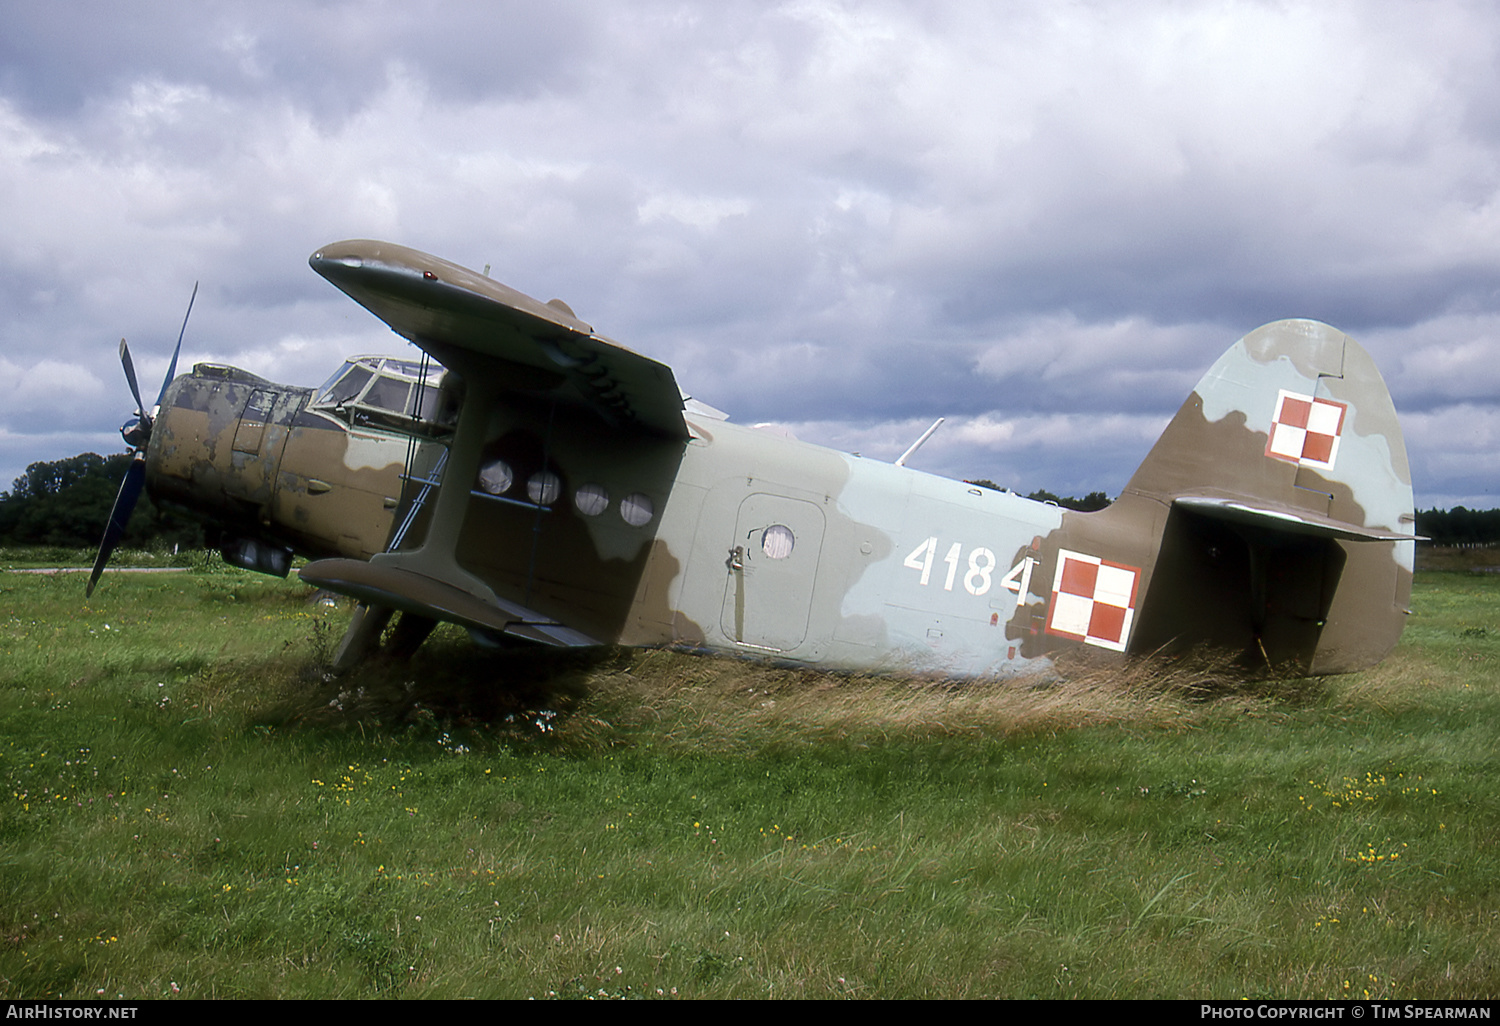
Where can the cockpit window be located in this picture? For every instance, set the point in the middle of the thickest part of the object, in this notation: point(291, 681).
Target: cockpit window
point(382, 391)
point(425, 402)
point(389, 394)
point(344, 386)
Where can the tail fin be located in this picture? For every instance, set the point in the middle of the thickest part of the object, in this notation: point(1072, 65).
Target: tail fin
point(1288, 507)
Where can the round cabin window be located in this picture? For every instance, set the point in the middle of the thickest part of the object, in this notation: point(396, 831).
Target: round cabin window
point(495, 477)
point(636, 510)
point(777, 541)
point(543, 487)
point(591, 500)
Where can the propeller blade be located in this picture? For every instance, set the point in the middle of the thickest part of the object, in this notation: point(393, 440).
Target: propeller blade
point(135, 390)
point(172, 367)
point(130, 491)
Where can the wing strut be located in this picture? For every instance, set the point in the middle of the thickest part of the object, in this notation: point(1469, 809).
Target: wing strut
point(428, 484)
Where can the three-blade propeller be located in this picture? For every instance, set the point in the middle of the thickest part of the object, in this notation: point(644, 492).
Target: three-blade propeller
point(137, 435)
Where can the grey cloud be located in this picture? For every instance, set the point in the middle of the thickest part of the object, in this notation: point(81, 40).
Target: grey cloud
point(330, 57)
point(852, 217)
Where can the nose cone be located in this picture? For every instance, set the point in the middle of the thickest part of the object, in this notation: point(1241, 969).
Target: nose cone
point(136, 431)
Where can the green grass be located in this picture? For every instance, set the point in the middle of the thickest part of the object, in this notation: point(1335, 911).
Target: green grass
point(13, 557)
point(189, 806)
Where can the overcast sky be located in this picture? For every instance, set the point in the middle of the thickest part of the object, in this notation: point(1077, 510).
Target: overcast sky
point(1042, 220)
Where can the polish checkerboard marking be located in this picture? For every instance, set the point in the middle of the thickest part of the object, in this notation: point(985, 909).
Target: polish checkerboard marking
point(1093, 600)
point(1305, 430)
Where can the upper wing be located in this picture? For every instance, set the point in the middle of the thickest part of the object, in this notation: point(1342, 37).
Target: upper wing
point(468, 321)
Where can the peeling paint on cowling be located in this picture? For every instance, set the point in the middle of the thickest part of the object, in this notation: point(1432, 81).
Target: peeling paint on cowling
point(371, 452)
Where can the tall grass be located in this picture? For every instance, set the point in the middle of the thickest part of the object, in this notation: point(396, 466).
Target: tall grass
point(192, 807)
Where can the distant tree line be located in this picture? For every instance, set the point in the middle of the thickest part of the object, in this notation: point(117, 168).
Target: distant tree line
point(1459, 526)
point(66, 503)
point(1088, 504)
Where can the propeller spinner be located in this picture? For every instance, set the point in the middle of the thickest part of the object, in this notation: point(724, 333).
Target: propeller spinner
point(137, 435)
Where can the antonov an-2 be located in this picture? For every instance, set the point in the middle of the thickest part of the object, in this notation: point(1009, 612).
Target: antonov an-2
point(558, 488)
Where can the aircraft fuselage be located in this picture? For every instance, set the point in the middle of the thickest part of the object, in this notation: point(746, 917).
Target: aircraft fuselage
point(557, 487)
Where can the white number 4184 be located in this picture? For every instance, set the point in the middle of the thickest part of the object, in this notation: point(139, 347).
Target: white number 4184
point(978, 579)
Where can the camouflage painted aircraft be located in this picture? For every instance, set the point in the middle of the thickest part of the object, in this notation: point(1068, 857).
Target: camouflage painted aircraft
point(557, 487)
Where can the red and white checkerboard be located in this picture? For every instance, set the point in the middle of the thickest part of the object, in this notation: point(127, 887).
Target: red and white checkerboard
point(1093, 600)
point(1306, 430)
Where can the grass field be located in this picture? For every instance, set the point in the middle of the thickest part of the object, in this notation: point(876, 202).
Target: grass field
point(189, 807)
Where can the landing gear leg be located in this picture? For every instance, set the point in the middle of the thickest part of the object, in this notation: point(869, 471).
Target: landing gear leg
point(362, 638)
point(407, 636)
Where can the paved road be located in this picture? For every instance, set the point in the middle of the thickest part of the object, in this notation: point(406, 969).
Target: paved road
point(110, 570)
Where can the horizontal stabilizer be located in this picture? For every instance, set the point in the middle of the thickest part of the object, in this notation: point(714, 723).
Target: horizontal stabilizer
point(1283, 518)
point(420, 595)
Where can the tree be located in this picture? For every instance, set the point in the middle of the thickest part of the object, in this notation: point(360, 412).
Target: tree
point(67, 503)
point(1459, 526)
point(1088, 504)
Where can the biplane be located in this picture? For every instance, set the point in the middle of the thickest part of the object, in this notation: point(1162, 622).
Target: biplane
point(536, 482)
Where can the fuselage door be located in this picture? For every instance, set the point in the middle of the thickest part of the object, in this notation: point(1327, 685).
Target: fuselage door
point(252, 427)
point(259, 439)
point(772, 566)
